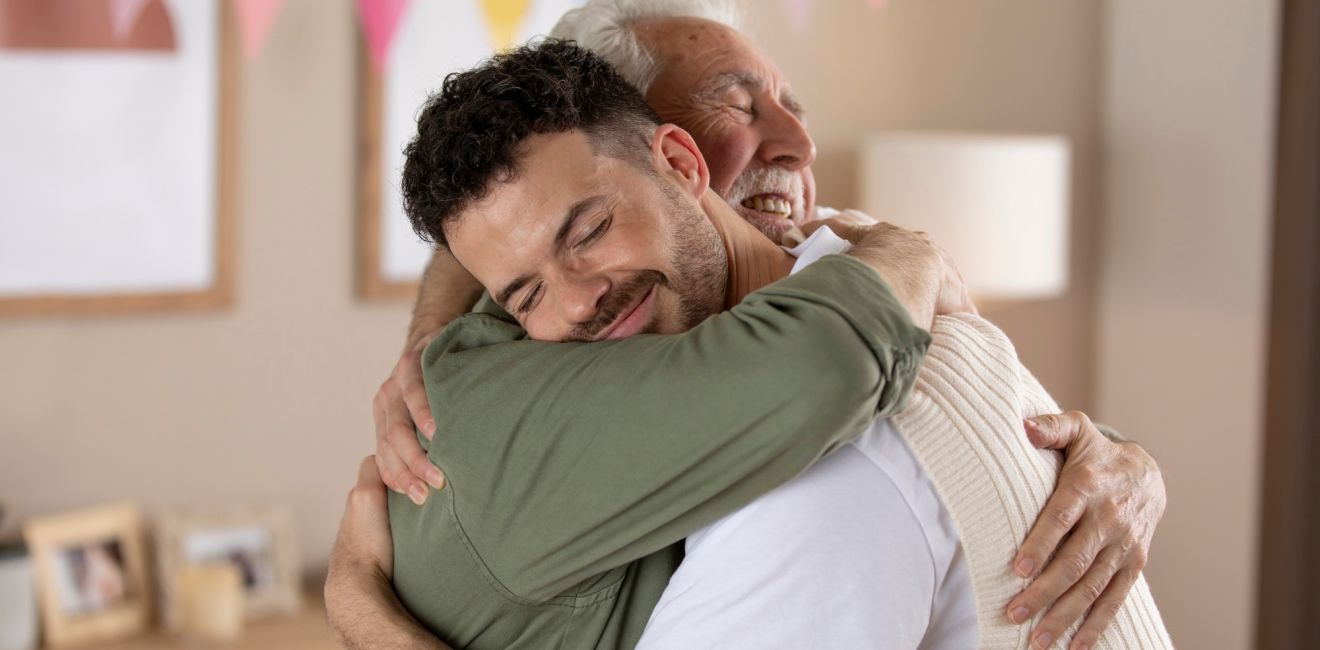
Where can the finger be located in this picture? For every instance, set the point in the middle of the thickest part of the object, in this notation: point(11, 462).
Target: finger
point(812, 226)
point(369, 491)
point(369, 472)
point(1052, 430)
point(417, 470)
point(1079, 598)
point(1104, 610)
point(1061, 512)
point(1073, 561)
point(846, 231)
point(401, 437)
point(418, 406)
point(851, 232)
point(391, 469)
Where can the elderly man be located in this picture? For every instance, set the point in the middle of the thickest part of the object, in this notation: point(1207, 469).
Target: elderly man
point(705, 76)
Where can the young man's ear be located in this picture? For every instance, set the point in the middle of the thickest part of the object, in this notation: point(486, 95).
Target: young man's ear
point(675, 155)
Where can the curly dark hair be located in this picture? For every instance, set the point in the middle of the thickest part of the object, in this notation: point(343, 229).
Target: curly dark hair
point(468, 134)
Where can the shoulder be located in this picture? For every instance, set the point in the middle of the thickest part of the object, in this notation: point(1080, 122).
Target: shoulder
point(848, 215)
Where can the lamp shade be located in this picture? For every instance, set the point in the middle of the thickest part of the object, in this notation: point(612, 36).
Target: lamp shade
point(997, 203)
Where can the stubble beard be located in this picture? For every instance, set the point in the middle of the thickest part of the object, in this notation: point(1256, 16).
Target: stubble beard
point(700, 263)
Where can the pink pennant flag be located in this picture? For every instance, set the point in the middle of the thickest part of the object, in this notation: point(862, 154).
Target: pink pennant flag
point(799, 13)
point(254, 20)
point(124, 15)
point(879, 5)
point(380, 23)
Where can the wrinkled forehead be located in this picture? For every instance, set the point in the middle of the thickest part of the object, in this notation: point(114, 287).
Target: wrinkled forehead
point(695, 54)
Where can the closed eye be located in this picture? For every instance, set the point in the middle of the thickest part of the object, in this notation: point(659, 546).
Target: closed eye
point(598, 232)
point(530, 301)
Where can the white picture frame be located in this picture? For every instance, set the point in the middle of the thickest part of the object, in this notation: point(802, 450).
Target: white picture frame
point(118, 160)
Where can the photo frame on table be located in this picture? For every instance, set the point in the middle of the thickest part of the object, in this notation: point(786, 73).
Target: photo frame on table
point(125, 203)
point(92, 574)
point(258, 541)
point(433, 40)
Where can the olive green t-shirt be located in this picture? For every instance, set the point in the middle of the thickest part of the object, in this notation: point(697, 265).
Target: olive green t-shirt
point(576, 469)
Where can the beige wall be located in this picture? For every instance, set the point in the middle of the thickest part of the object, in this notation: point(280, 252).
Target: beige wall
point(1189, 127)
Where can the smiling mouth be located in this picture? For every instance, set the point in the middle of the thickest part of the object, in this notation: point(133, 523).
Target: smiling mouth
point(632, 320)
point(772, 204)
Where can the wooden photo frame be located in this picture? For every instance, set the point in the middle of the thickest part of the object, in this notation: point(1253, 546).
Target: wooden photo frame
point(433, 40)
point(92, 576)
point(259, 541)
point(119, 157)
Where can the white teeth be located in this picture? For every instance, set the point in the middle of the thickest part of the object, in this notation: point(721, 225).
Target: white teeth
point(771, 204)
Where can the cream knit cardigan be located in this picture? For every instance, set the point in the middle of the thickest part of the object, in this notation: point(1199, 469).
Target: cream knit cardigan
point(964, 423)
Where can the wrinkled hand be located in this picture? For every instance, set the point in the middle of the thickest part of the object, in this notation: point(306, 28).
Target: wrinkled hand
point(1097, 526)
point(360, 602)
point(923, 275)
point(399, 403)
point(363, 556)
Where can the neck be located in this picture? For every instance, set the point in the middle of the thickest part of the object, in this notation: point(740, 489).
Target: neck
point(754, 260)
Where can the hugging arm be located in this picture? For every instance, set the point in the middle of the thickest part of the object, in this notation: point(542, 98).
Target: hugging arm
point(399, 408)
point(360, 602)
point(568, 460)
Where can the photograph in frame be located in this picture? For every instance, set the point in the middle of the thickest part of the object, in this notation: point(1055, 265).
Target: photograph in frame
point(257, 541)
point(92, 574)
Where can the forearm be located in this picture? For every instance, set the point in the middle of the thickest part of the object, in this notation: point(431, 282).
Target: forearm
point(366, 614)
point(660, 434)
point(447, 291)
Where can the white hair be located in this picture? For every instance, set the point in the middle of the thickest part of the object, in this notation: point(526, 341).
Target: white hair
point(606, 28)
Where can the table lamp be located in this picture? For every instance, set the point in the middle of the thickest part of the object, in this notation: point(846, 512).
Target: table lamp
point(997, 203)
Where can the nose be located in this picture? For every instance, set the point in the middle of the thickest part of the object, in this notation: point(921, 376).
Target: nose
point(784, 139)
point(579, 296)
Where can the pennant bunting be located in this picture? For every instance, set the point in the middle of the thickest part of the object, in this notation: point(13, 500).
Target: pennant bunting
point(124, 15)
point(799, 13)
point(380, 23)
point(503, 18)
point(254, 20)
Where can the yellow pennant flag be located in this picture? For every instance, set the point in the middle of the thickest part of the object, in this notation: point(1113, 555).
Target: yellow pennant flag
point(502, 19)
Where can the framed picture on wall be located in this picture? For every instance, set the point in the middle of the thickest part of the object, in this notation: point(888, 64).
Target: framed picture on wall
point(433, 40)
point(91, 574)
point(118, 132)
point(259, 542)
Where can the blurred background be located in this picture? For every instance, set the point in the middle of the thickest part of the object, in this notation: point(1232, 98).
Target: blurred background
point(1171, 111)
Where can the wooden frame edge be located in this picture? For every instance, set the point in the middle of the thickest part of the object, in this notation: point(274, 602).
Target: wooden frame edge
point(370, 284)
point(221, 293)
point(44, 535)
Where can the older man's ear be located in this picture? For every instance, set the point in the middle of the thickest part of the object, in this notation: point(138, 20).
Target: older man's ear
point(675, 154)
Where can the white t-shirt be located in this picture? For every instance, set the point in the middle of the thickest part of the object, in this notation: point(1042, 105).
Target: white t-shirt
point(856, 552)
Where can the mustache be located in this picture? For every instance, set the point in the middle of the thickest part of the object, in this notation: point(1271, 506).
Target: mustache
point(623, 296)
point(766, 179)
